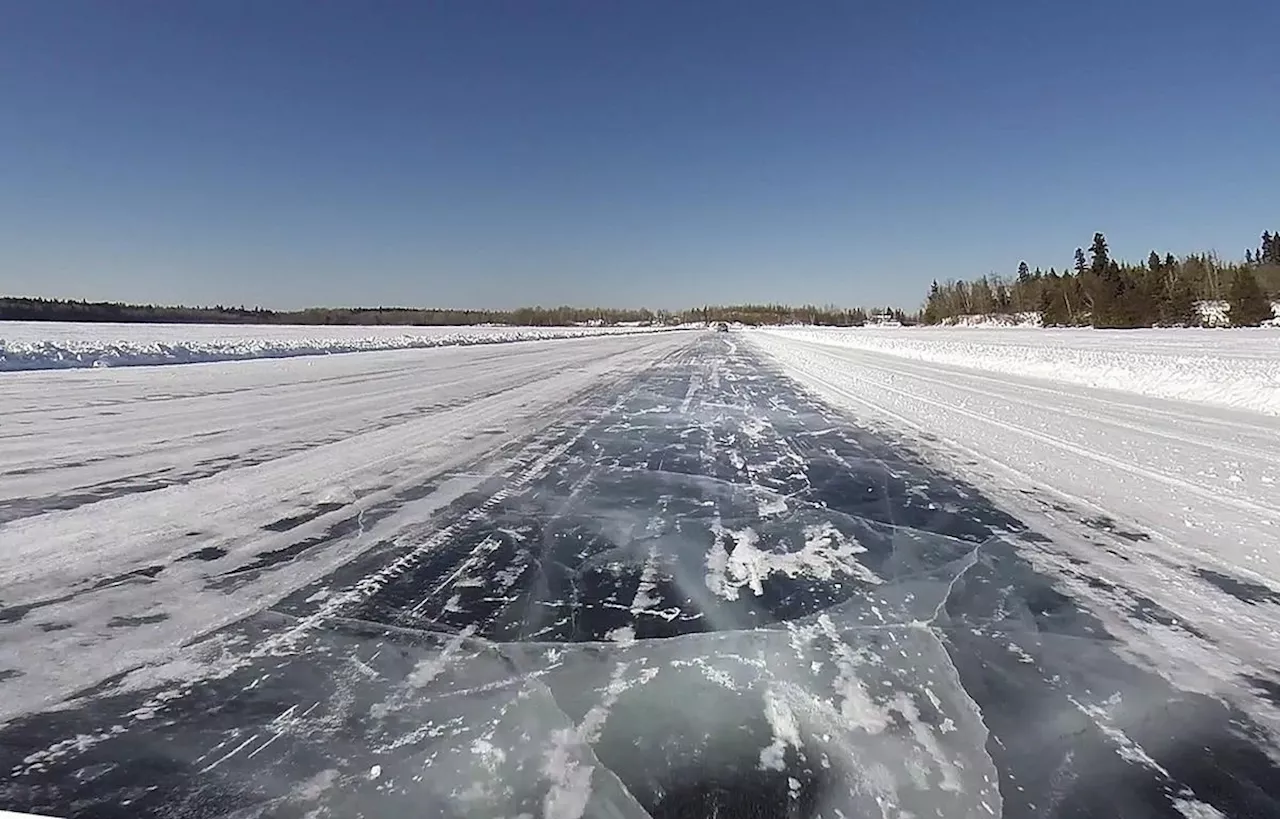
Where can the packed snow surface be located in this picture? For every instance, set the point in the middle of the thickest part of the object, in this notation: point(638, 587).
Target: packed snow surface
point(42, 345)
point(113, 471)
point(1235, 368)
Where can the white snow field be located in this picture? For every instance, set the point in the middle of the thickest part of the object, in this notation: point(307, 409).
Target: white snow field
point(42, 345)
point(1186, 491)
point(1236, 368)
point(110, 471)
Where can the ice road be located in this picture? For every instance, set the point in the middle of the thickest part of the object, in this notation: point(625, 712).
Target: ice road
point(670, 575)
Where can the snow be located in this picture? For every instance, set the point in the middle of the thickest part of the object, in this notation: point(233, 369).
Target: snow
point(1212, 314)
point(826, 552)
point(107, 476)
point(38, 345)
point(1218, 313)
point(1238, 368)
point(1149, 493)
point(1030, 319)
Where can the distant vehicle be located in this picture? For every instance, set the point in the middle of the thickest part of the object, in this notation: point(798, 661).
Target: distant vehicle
point(721, 327)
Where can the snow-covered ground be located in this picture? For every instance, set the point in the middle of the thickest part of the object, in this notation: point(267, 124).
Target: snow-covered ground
point(1237, 368)
point(1165, 496)
point(1218, 313)
point(109, 472)
point(1029, 320)
point(1212, 314)
point(40, 345)
point(580, 575)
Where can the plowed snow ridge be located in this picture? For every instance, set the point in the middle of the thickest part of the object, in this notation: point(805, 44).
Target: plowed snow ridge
point(1232, 368)
point(36, 345)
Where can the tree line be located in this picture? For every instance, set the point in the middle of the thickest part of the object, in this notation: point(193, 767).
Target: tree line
point(36, 309)
point(766, 314)
point(1099, 291)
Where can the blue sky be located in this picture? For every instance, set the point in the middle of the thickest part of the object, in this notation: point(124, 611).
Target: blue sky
point(476, 153)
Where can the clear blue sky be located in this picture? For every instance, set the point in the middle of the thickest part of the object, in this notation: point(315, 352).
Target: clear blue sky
point(476, 153)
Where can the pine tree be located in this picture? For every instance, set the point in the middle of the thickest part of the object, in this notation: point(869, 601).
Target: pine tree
point(1249, 306)
point(1053, 307)
point(1177, 307)
point(1269, 253)
point(1153, 262)
point(1108, 288)
point(1024, 272)
point(1081, 265)
point(1248, 256)
point(1100, 255)
point(1169, 262)
point(933, 307)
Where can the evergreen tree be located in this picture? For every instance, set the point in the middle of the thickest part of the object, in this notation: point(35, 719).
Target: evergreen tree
point(1178, 303)
point(1249, 306)
point(1153, 262)
point(1081, 265)
point(933, 309)
point(1108, 290)
point(1024, 272)
point(1100, 255)
point(1248, 256)
point(1169, 262)
point(1053, 307)
point(1269, 253)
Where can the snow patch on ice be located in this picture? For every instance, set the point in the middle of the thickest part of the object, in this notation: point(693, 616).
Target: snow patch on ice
point(772, 505)
point(826, 552)
point(1195, 809)
point(623, 634)
point(785, 732)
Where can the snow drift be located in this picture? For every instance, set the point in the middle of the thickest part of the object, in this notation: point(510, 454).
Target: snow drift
point(66, 345)
point(1240, 368)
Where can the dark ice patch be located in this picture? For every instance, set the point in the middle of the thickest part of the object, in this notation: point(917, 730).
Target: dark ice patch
point(143, 575)
point(1266, 687)
point(12, 614)
point(1102, 523)
point(206, 554)
point(294, 521)
point(140, 620)
point(1242, 590)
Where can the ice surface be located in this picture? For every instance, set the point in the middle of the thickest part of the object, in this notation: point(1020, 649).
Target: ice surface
point(701, 591)
point(122, 492)
point(1173, 498)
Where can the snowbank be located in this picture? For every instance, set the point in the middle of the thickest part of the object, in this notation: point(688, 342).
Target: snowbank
point(1238, 368)
point(1218, 313)
point(35, 345)
point(1212, 314)
point(1027, 319)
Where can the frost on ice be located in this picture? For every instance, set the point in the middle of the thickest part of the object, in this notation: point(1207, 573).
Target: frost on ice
point(853, 717)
